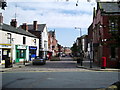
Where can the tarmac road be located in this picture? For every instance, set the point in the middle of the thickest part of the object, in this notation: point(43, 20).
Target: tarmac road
point(58, 79)
point(57, 74)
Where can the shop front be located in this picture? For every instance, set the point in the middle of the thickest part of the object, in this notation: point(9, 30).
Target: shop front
point(32, 52)
point(20, 53)
point(5, 53)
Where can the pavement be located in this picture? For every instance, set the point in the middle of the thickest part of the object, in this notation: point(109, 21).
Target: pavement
point(86, 65)
point(16, 65)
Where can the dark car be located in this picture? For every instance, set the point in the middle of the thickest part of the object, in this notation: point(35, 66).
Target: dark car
point(39, 60)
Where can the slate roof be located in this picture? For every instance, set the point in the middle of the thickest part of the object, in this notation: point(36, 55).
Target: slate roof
point(40, 27)
point(52, 33)
point(109, 7)
point(9, 28)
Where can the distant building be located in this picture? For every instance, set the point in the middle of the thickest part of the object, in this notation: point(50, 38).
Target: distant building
point(52, 43)
point(82, 45)
point(84, 41)
point(67, 50)
point(90, 42)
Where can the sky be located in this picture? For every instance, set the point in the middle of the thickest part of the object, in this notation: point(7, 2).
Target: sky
point(58, 15)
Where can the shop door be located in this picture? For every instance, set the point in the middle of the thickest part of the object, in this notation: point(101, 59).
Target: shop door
point(20, 54)
point(17, 56)
point(6, 54)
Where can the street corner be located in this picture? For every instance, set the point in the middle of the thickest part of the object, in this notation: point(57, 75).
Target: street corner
point(114, 86)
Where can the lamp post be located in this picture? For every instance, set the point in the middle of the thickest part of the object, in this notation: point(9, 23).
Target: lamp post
point(79, 29)
point(80, 34)
point(81, 52)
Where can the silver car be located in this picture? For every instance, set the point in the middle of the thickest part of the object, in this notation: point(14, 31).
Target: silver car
point(38, 60)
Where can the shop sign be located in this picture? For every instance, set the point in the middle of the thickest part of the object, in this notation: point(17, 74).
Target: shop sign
point(21, 47)
point(31, 47)
point(5, 46)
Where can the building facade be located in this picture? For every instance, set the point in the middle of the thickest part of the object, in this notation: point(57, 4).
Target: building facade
point(39, 30)
point(15, 43)
point(106, 23)
point(52, 43)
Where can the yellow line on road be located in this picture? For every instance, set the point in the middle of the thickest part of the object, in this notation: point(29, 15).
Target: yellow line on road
point(52, 71)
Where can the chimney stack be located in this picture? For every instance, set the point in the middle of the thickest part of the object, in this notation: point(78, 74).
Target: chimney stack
point(13, 23)
point(35, 25)
point(1, 19)
point(25, 26)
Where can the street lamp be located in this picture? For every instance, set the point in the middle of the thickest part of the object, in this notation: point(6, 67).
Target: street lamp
point(81, 54)
point(79, 29)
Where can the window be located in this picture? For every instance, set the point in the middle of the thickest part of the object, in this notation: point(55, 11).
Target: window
point(113, 24)
point(24, 40)
point(45, 44)
point(9, 37)
point(112, 52)
point(21, 53)
point(35, 41)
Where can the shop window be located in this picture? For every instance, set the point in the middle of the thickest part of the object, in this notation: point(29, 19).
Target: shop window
point(21, 53)
point(33, 51)
point(112, 52)
point(45, 44)
point(24, 40)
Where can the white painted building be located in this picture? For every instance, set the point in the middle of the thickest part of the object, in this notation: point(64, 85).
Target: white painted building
point(40, 30)
point(44, 37)
point(17, 44)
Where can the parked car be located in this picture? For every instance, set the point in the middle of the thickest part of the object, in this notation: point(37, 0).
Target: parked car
point(63, 55)
point(39, 60)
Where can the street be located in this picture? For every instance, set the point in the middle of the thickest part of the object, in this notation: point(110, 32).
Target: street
point(57, 74)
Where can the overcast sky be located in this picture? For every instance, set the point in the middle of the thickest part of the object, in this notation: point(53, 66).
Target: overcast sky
point(56, 14)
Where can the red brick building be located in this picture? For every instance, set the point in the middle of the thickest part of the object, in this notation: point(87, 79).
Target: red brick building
point(52, 43)
point(106, 21)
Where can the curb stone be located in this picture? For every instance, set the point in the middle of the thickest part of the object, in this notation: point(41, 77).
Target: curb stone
point(95, 69)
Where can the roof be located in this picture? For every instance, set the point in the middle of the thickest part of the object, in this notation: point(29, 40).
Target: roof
point(52, 33)
point(9, 28)
point(109, 7)
point(40, 27)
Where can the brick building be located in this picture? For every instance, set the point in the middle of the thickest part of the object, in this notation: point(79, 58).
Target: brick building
point(52, 43)
point(106, 23)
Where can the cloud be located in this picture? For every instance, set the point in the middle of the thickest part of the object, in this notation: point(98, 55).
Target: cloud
point(54, 14)
point(57, 0)
point(57, 14)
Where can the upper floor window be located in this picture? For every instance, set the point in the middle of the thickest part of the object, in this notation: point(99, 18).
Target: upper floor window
point(9, 37)
point(35, 41)
point(45, 44)
point(113, 24)
point(24, 40)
